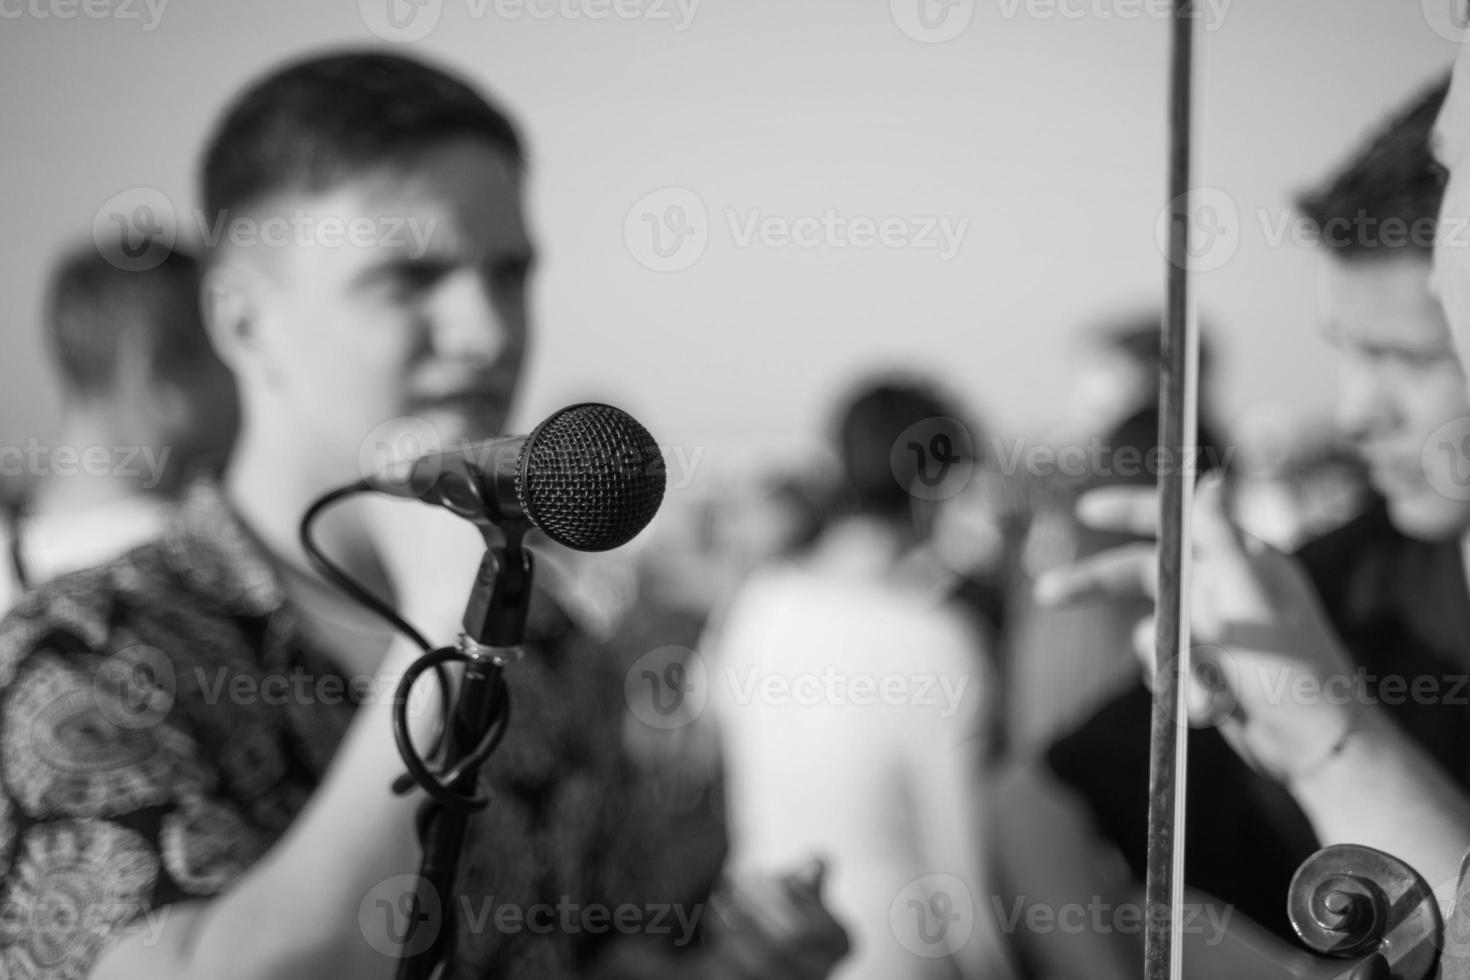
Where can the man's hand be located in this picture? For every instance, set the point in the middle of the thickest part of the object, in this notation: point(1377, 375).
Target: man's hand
point(1266, 666)
point(777, 928)
point(758, 929)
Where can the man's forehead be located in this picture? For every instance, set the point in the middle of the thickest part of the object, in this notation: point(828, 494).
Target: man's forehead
point(446, 207)
point(466, 182)
point(1383, 301)
point(450, 212)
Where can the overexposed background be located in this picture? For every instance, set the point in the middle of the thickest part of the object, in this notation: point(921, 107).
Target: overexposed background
point(1041, 122)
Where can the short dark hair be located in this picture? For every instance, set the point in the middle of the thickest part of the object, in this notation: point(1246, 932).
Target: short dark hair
point(94, 299)
point(312, 124)
point(870, 424)
point(1392, 181)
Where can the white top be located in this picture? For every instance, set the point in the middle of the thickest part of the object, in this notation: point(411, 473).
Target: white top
point(54, 544)
point(851, 704)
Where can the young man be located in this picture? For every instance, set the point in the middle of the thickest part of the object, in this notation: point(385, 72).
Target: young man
point(145, 403)
point(1393, 581)
point(193, 820)
point(1352, 769)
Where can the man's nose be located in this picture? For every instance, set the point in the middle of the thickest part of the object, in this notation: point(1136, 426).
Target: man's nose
point(468, 321)
point(1365, 405)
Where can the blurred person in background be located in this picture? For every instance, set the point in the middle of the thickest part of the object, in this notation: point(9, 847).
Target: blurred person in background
point(852, 696)
point(1065, 662)
point(146, 404)
point(1392, 583)
point(792, 511)
point(976, 543)
point(699, 554)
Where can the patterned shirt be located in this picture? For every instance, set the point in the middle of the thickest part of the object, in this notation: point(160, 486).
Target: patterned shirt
point(164, 718)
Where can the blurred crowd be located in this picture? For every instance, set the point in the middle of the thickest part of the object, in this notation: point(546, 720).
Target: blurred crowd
point(1006, 515)
point(905, 551)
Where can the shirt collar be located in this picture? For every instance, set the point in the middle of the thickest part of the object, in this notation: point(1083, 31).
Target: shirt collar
point(211, 549)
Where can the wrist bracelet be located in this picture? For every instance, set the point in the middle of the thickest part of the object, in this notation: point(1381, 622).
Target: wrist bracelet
point(1349, 728)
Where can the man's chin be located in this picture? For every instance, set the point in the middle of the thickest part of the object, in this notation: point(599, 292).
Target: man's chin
point(1428, 518)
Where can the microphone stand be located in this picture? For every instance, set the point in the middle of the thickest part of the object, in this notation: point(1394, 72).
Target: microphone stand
point(494, 630)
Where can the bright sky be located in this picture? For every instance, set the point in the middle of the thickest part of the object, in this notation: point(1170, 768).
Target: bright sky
point(833, 186)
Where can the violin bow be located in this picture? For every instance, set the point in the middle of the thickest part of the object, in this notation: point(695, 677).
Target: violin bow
point(1178, 408)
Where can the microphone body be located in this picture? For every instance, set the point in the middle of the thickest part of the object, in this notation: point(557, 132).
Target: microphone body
point(474, 476)
point(590, 477)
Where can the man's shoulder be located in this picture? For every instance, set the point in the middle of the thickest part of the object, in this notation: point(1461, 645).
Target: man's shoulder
point(83, 608)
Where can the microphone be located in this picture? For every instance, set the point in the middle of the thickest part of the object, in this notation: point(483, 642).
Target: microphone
point(590, 477)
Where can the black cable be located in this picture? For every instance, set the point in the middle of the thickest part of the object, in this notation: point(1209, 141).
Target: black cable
point(14, 512)
point(340, 578)
point(441, 785)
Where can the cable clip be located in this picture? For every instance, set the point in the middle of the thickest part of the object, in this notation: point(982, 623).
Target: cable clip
point(481, 654)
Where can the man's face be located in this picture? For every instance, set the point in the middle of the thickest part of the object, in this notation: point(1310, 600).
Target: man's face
point(423, 315)
point(1451, 144)
point(1398, 382)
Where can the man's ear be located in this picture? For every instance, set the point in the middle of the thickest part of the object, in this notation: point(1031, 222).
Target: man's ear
point(231, 299)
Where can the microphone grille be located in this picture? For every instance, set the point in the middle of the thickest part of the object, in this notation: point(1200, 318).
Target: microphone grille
point(590, 477)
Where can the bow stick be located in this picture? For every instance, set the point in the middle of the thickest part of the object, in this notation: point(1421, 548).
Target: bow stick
point(1168, 759)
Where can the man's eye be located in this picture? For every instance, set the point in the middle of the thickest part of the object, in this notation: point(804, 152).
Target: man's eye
point(510, 275)
point(1440, 171)
point(409, 279)
point(1423, 360)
